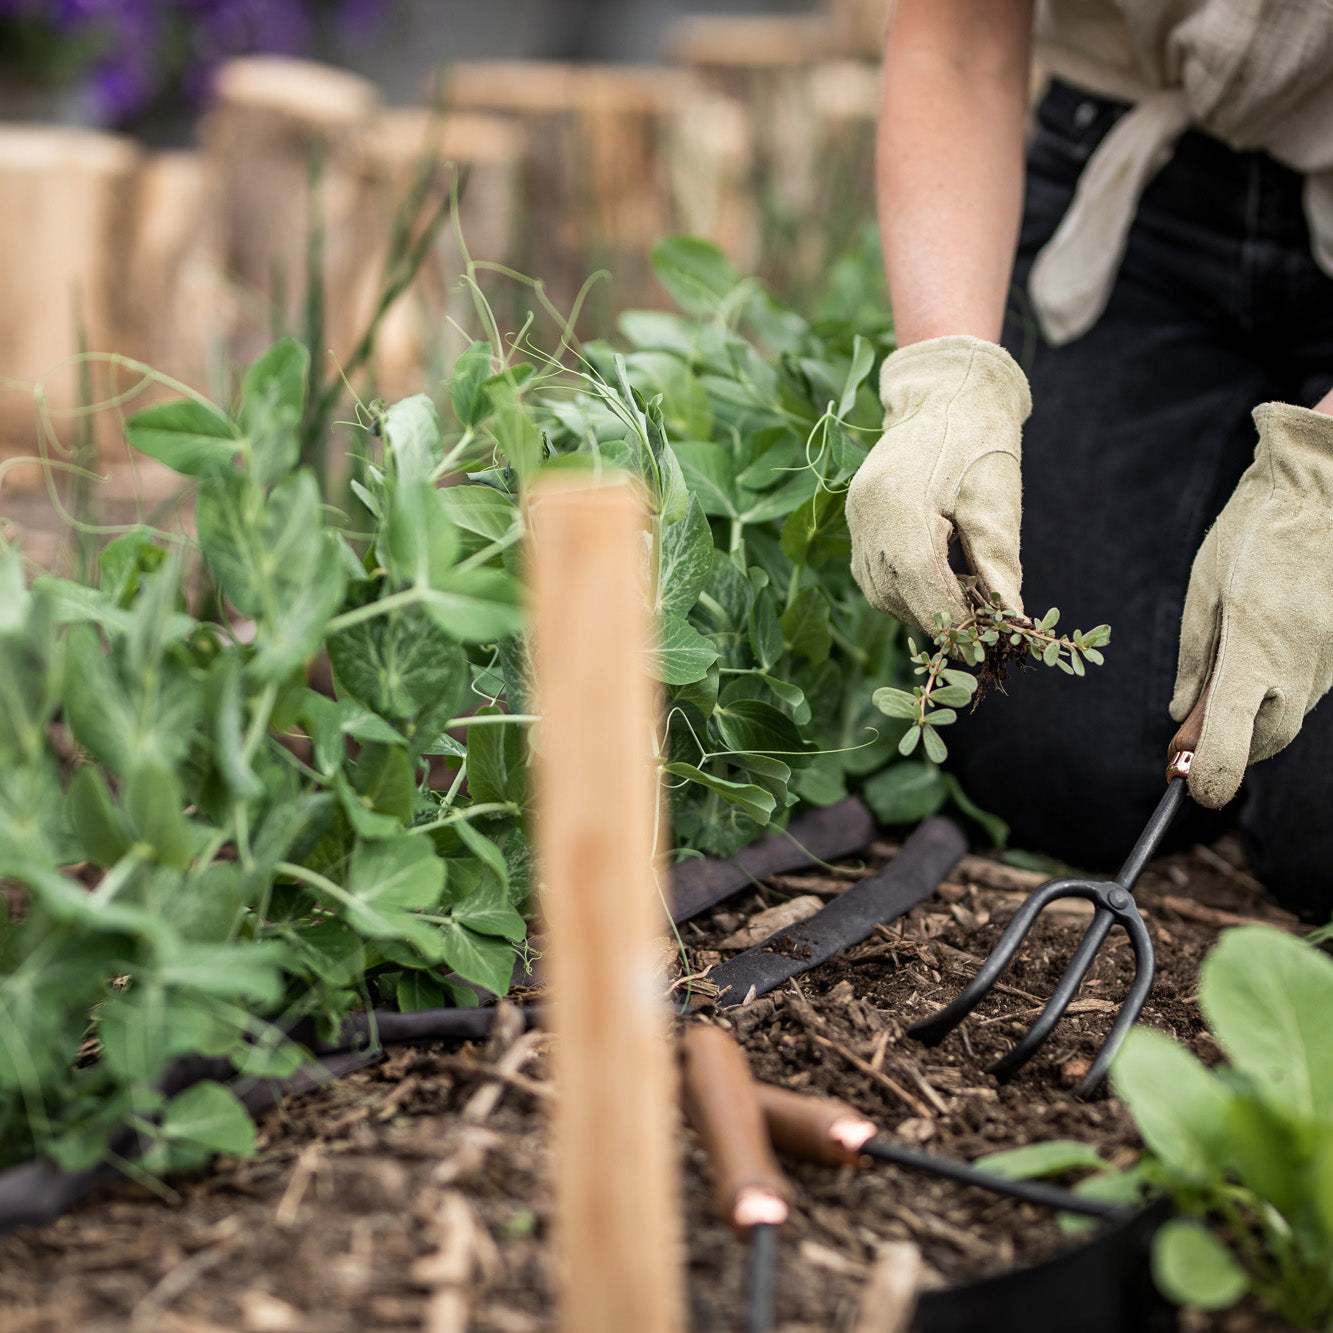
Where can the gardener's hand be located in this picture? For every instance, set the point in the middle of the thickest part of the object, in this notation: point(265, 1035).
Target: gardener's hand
point(948, 462)
point(1259, 611)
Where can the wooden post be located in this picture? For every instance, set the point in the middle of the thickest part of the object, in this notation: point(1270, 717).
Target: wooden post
point(710, 163)
point(428, 320)
point(763, 63)
point(272, 115)
point(596, 187)
point(859, 26)
point(177, 297)
point(597, 810)
point(66, 202)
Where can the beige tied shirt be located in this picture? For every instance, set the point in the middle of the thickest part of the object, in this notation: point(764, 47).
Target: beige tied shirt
point(1257, 74)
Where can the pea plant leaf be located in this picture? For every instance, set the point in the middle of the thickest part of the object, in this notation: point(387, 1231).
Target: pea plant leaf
point(190, 436)
point(412, 431)
point(686, 558)
point(683, 654)
point(472, 369)
point(272, 405)
point(696, 273)
point(390, 881)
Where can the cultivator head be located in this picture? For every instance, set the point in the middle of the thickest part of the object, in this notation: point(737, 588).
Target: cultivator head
point(1114, 904)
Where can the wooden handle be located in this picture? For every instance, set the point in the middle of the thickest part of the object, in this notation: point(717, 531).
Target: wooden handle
point(817, 1129)
point(1180, 752)
point(722, 1105)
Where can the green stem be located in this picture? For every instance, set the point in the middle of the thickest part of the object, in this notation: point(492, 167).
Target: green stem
point(489, 719)
point(495, 548)
point(446, 465)
point(794, 587)
point(471, 812)
point(360, 614)
point(452, 793)
point(737, 536)
point(259, 721)
point(316, 881)
point(118, 876)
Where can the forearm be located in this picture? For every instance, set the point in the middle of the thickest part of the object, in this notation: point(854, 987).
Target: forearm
point(950, 162)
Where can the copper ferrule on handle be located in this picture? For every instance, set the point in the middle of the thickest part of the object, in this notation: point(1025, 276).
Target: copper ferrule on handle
point(721, 1104)
point(1180, 753)
point(817, 1129)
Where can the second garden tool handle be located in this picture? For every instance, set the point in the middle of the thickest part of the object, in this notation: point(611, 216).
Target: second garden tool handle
point(721, 1104)
point(817, 1129)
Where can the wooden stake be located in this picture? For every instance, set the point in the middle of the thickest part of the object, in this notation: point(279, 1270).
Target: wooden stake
point(431, 317)
point(66, 199)
point(177, 297)
point(888, 1300)
point(597, 809)
point(859, 26)
point(596, 187)
point(763, 63)
point(271, 117)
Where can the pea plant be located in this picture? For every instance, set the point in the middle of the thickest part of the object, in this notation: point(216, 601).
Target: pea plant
point(197, 846)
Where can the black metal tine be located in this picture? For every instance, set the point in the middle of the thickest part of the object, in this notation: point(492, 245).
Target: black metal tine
point(934, 1029)
point(1072, 978)
point(1131, 1006)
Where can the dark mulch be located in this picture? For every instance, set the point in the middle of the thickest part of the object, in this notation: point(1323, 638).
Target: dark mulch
point(370, 1197)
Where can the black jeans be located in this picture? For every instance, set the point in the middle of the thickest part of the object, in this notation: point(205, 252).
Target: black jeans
point(1139, 432)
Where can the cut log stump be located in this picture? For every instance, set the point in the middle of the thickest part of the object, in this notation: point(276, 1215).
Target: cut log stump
point(66, 212)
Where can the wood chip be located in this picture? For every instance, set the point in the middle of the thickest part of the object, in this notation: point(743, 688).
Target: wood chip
point(482, 1102)
point(995, 875)
point(1215, 916)
point(147, 1313)
point(833, 1260)
point(289, 1206)
point(264, 1313)
point(878, 1075)
point(1221, 864)
point(802, 1009)
point(449, 1270)
point(764, 925)
point(888, 1300)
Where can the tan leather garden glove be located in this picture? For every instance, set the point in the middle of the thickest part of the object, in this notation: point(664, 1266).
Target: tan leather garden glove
point(948, 462)
point(1259, 610)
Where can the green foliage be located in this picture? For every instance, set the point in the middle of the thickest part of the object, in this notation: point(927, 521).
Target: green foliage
point(256, 851)
point(989, 639)
point(1245, 1149)
point(202, 847)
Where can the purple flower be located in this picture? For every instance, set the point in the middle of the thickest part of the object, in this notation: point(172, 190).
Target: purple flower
point(357, 19)
point(146, 50)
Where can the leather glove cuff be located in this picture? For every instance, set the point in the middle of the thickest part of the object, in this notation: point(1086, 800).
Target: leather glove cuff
point(954, 366)
point(1296, 447)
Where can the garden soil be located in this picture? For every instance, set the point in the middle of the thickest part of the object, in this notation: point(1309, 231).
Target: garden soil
point(414, 1194)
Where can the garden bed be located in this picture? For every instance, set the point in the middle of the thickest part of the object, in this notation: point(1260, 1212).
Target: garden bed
point(372, 1199)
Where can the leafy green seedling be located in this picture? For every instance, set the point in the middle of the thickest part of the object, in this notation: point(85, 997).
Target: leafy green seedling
point(988, 640)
